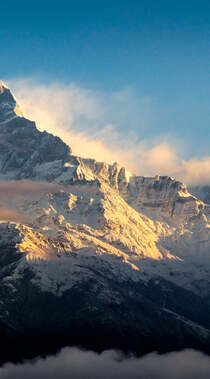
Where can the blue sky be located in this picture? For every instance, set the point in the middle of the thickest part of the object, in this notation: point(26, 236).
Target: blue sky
point(159, 50)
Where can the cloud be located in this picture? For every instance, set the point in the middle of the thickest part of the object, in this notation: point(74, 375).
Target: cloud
point(26, 187)
point(77, 364)
point(104, 127)
point(14, 193)
point(12, 216)
point(163, 160)
point(196, 171)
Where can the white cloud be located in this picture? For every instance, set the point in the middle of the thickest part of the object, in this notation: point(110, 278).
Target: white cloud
point(99, 126)
point(78, 364)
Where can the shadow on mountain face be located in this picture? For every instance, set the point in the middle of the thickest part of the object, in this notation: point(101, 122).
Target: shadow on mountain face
point(78, 364)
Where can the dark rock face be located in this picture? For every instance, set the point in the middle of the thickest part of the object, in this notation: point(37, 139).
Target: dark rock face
point(8, 105)
point(98, 313)
point(22, 145)
point(156, 316)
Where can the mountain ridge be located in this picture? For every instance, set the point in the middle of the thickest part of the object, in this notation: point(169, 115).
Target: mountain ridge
point(78, 229)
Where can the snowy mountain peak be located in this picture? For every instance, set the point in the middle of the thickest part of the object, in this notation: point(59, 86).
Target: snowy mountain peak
point(89, 238)
point(1, 87)
point(140, 216)
point(9, 108)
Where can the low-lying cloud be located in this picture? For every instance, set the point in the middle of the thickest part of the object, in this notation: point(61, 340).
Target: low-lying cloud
point(10, 215)
point(77, 364)
point(26, 187)
point(14, 193)
point(99, 126)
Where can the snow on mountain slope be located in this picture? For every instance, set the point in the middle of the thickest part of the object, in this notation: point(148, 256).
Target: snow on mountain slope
point(86, 221)
point(68, 223)
point(136, 217)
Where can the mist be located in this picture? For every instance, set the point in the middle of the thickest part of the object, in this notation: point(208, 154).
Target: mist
point(78, 364)
point(103, 127)
point(14, 193)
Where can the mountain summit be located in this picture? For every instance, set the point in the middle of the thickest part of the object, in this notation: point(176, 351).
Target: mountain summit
point(9, 109)
point(92, 255)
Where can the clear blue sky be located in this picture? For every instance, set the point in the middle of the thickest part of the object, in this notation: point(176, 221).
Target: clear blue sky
point(159, 48)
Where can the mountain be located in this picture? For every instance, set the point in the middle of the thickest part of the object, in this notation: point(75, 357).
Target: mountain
point(93, 255)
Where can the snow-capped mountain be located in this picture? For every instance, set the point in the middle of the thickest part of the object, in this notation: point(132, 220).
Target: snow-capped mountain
point(92, 254)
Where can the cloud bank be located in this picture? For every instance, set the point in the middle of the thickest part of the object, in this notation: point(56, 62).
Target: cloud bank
point(14, 193)
point(77, 364)
point(99, 126)
point(10, 215)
